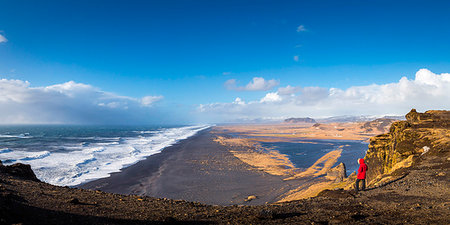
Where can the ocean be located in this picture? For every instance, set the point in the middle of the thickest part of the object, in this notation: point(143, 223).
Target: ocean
point(70, 155)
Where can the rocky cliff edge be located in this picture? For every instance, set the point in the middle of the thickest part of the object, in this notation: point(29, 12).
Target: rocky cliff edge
point(406, 143)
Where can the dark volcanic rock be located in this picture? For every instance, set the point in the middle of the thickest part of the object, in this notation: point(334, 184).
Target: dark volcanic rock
point(339, 193)
point(74, 201)
point(19, 170)
point(300, 120)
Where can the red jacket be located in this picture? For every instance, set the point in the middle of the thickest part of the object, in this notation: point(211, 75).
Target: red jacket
point(362, 170)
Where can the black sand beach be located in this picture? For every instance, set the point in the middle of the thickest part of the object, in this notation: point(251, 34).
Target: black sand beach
point(196, 169)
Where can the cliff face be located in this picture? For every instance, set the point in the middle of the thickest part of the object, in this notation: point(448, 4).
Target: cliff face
point(421, 133)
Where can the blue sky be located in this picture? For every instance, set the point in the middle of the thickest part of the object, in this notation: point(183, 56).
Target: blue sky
point(185, 51)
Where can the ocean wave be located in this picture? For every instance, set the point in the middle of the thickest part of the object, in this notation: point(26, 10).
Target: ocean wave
point(5, 150)
point(146, 131)
point(85, 162)
point(94, 150)
point(24, 135)
point(36, 155)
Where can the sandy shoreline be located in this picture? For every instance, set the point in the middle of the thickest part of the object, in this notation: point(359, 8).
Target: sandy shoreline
point(213, 168)
point(197, 169)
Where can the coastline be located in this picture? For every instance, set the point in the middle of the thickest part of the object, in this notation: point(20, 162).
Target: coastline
point(196, 169)
point(212, 168)
point(415, 192)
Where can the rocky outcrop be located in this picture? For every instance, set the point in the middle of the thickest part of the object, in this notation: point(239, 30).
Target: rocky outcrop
point(421, 133)
point(381, 125)
point(429, 119)
point(19, 170)
point(300, 120)
point(337, 173)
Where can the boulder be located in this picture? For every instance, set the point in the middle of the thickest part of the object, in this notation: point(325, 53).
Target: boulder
point(337, 173)
point(251, 197)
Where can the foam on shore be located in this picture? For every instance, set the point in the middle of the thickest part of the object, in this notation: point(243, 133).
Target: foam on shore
point(96, 160)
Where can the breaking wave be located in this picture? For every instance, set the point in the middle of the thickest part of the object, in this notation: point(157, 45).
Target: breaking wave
point(88, 161)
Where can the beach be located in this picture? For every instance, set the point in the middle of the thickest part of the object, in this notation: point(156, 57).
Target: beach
point(197, 169)
point(217, 167)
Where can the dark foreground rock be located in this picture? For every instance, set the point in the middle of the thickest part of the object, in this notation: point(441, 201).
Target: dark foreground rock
point(19, 170)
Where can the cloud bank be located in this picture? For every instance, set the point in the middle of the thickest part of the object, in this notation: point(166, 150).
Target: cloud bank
point(70, 103)
point(426, 91)
point(257, 84)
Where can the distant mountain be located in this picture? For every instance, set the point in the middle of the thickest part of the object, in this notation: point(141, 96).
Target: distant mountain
point(300, 120)
point(344, 119)
point(334, 119)
point(381, 124)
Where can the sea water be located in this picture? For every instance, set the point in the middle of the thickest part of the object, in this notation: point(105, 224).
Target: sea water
point(71, 155)
point(305, 154)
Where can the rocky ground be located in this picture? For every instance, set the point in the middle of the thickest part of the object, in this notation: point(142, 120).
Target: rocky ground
point(421, 197)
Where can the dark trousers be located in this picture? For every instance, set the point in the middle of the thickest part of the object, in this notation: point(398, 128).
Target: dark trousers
point(363, 184)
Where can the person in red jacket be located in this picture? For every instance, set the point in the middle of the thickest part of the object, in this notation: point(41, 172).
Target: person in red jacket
point(361, 176)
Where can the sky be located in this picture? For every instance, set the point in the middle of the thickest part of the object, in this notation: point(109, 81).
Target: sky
point(195, 61)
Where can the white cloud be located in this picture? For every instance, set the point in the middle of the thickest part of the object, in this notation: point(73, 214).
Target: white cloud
point(3, 39)
point(296, 58)
point(301, 28)
point(239, 101)
point(257, 84)
point(271, 97)
point(426, 91)
point(149, 100)
point(69, 102)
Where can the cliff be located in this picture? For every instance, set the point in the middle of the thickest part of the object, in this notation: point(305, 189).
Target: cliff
point(421, 133)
